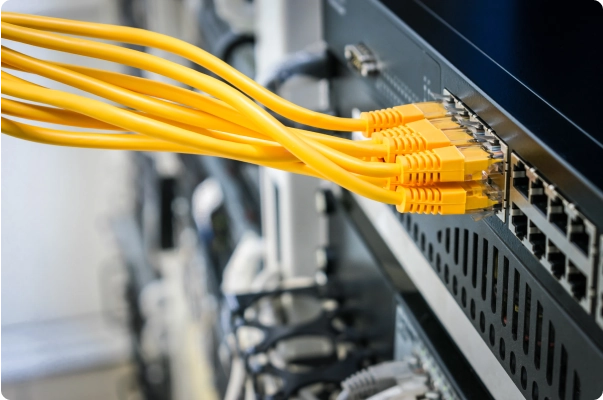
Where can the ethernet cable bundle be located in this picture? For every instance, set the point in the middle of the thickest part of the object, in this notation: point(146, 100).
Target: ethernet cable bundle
point(422, 157)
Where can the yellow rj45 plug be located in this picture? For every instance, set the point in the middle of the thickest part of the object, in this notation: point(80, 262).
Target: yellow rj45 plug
point(446, 164)
point(449, 198)
point(422, 135)
point(399, 115)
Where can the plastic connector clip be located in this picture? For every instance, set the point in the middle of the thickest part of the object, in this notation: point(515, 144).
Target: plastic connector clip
point(445, 164)
point(391, 117)
point(420, 136)
point(449, 198)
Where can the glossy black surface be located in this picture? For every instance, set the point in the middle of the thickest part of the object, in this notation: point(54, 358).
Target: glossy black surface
point(540, 62)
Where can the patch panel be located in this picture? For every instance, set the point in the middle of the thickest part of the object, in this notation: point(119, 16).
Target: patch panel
point(555, 232)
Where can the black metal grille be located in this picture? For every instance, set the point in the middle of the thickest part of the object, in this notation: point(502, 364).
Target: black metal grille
point(541, 347)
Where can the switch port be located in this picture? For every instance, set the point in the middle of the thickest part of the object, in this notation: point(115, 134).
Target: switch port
point(578, 234)
point(536, 239)
point(557, 214)
point(537, 196)
point(519, 222)
point(556, 259)
point(577, 281)
point(520, 179)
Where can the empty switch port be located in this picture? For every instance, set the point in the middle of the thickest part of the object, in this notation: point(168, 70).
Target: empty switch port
point(520, 180)
point(578, 234)
point(577, 281)
point(557, 214)
point(519, 222)
point(537, 240)
point(556, 259)
point(537, 196)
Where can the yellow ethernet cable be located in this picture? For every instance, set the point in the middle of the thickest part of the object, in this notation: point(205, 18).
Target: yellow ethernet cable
point(160, 90)
point(173, 112)
point(118, 141)
point(133, 142)
point(69, 118)
point(210, 105)
point(130, 121)
point(368, 123)
point(137, 123)
point(448, 198)
point(93, 86)
point(445, 164)
point(51, 115)
point(214, 87)
point(193, 99)
point(400, 115)
point(421, 135)
point(421, 160)
point(119, 95)
point(213, 106)
point(443, 199)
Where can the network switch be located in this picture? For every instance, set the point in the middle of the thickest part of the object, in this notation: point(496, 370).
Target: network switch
point(554, 231)
point(532, 300)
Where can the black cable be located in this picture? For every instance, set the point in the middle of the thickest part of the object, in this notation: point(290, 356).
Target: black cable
point(307, 63)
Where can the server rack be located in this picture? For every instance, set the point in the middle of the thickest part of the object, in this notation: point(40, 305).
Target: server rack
point(526, 281)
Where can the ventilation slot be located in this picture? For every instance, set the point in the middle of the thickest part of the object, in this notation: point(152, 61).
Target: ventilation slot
point(465, 251)
point(526, 320)
point(494, 293)
point(484, 267)
point(550, 358)
point(505, 293)
point(492, 335)
point(447, 240)
point(538, 341)
point(515, 304)
point(534, 391)
point(474, 262)
point(576, 391)
point(562, 372)
point(457, 235)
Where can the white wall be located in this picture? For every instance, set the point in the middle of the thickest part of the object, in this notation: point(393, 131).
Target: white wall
point(56, 205)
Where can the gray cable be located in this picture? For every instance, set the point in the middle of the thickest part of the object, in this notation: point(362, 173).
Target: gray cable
point(373, 380)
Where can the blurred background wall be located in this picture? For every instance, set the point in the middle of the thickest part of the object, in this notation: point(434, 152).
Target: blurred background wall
point(59, 258)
